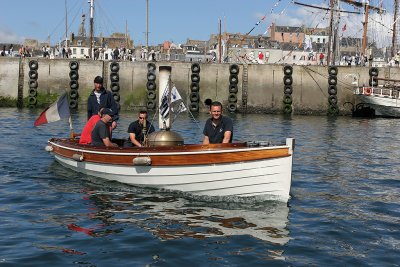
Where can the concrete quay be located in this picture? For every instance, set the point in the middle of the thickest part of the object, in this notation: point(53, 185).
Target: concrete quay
point(264, 83)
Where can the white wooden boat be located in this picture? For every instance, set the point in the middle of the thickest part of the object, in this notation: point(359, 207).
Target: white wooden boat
point(236, 169)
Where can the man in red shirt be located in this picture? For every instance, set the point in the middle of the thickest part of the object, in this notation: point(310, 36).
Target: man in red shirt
point(86, 135)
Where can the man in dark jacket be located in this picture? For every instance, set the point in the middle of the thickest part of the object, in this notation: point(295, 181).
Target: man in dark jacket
point(102, 98)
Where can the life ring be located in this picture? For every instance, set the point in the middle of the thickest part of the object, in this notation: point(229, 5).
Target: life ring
point(332, 90)
point(367, 91)
point(74, 94)
point(233, 88)
point(33, 74)
point(195, 77)
point(232, 107)
point(288, 70)
point(73, 75)
point(332, 99)
point(374, 71)
point(151, 67)
point(232, 98)
point(73, 104)
point(151, 104)
point(32, 92)
point(33, 65)
point(151, 76)
point(333, 70)
point(287, 99)
point(74, 65)
point(194, 107)
point(288, 90)
point(233, 79)
point(114, 87)
point(332, 80)
point(288, 109)
point(33, 84)
point(194, 87)
point(73, 84)
point(195, 68)
point(116, 96)
point(194, 97)
point(234, 69)
point(287, 80)
point(114, 77)
point(151, 95)
point(151, 85)
point(114, 66)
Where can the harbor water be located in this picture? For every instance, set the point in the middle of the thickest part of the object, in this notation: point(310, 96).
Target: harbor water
point(344, 208)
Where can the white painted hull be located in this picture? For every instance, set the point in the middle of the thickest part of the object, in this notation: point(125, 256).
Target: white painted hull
point(270, 177)
point(384, 101)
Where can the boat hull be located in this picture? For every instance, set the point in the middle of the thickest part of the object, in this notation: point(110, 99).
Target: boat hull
point(238, 171)
point(385, 102)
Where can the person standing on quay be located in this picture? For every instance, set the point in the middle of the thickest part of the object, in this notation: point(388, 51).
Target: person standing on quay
point(102, 98)
point(218, 128)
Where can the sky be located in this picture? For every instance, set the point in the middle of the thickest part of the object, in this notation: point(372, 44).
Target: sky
point(171, 20)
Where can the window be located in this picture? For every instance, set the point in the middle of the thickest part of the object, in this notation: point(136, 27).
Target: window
point(79, 43)
point(318, 41)
point(294, 57)
point(74, 51)
point(82, 51)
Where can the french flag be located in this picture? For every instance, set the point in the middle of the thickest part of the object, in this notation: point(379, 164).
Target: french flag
point(58, 110)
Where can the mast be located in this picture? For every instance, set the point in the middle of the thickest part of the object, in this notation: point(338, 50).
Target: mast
point(331, 58)
point(394, 37)
point(147, 26)
point(365, 40)
point(66, 25)
point(91, 28)
point(219, 43)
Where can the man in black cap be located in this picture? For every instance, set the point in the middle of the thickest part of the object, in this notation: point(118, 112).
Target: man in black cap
point(101, 135)
point(102, 98)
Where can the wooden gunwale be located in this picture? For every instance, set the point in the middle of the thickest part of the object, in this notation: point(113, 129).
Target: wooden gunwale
point(169, 156)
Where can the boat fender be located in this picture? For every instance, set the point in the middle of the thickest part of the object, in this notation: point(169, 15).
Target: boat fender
point(77, 157)
point(234, 69)
point(287, 80)
point(33, 65)
point(195, 67)
point(288, 70)
point(74, 65)
point(142, 161)
point(48, 148)
point(367, 91)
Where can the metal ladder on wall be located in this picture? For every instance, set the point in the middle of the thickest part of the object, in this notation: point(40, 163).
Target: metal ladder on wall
point(20, 99)
point(105, 73)
point(245, 80)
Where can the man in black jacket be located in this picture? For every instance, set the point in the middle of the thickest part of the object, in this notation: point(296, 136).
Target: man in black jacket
point(102, 98)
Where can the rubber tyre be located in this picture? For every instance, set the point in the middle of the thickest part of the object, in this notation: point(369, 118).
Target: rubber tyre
point(151, 85)
point(151, 76)
point(287, 99)
point(232, 98)
point(32, 92)
point(73, 65)
point(33, 74)
point(332, 99)
point(288, 70)
point(73, 75)
point(74, 84)
point(232, 107)
point(233, 79)
point(33, 84)
point(194, 97)
point(151, 104)
point(195, 68)
point(116, 96)
point(195, 77)
point(234, 69)
point(333, 110)
point(194, 87)
point(287, 80)
point(288, 90)
point(114, 66)
point(233, 88)
point(151, 95)
point(374, 71)
point(32, 100)
point(332, 80)
point(33, 65)
point(194, 107)
point(115, 87)
point(114, 77)
point(73, 104)
point(333, 70)
point(151, 67)
point(287, 109)
point(74, 94)
point(332, 90)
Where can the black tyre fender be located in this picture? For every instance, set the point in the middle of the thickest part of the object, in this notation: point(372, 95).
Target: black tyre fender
point(151, 104)
point(116, 96)
point(73, 104)
point(32, 100)
point(287, 99)
point(332, 99)
point(233, 88)
point(151, 95)
point(288, 70)
point(234, 69)
point(115, 87)
point(374, 71)
point(333, 110)
point(33, 65)
point(114, 77)
point(195, 77)
point(232, 98)
point(33, 84)
point(287, 109)
point(151, 85)
point(233, 79)
point(151, 76)
point(73, 84)
point(194, 107)
point(194, 87)
point(332, 80)
point(73, 65)
point(73, 94)
point(232, 107)
point(287, 80)
point(33, 74)
point(151, 67)
point(288, 90)
point(73, 75)
point(332, 90)
point(195, 68)
point(333, 70)
point(114, 66)
point(32, 92)
point(194, 97)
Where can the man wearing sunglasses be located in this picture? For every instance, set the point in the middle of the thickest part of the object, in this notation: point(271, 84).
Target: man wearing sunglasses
point(139, 129)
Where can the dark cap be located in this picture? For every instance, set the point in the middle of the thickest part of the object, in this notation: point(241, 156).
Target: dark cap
point(98, 79)
point(107, 111)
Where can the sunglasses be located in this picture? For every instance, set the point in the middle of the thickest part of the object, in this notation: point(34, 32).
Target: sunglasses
point(142, 118)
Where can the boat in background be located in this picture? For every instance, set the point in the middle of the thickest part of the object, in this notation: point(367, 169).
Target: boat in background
point(384, 99)
point(242, 169)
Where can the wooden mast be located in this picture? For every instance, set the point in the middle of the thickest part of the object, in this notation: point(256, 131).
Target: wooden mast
point(91, 28)
point(394, 36)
